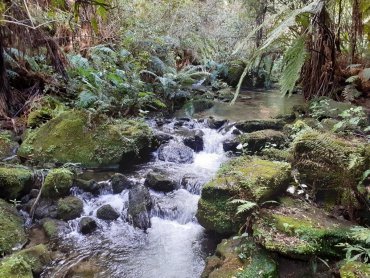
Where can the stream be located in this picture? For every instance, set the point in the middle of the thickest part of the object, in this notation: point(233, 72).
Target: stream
point(175, 245)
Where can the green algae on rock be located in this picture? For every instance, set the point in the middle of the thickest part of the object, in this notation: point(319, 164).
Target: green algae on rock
point(25, 263)
point(12, 234)
point(57, 183)
point(354, 270)
point(73, 136)
point(299, 230)
point(249, 178)
point(240, 257)
point(14, 181)
point(69, 208)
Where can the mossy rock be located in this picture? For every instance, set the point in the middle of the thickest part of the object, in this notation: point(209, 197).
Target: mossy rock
point(256, 125)
point(58, 183)
point(12, 234)
point(249, 178)
point(277, 154)
point(15, 182)
point(325, 107)
point(354, 270)
point(240, 257)
point(255, 141)
point(299, 230)
point(333, 165)
point(7, 145)
point(75, 136)
point(69, 208)
point(53, 227)
point(25, 263)
point(234, 72)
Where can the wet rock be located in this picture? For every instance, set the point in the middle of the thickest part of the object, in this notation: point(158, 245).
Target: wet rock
point(45, 208)
point(300, 230)
point(34, 193)
point(197, 105)
point(87, 225)
point(73, 136)
point(8, 146)
point(91, 186)
point(158, 181)
point(230, 145)
point(255, 141)
point(69, 208)
point(250, 178)
point(120, 182)
point(215, 124)
point(57, 184)
point(255, 125)
point(27, 263)
point(240, 257)
point(14, 182)
point(12, 234)
point(195, 142)
point(236, 132)
point(140, 204)
point(177, 153)
point(107, 212)
point(53, 227)
point(192, 184)
point(160, 138)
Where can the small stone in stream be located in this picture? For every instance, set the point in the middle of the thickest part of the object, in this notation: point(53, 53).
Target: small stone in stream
point(160, 182)
point(216, 124)
point(195, 142)
point(230, 145)
point(34, 193)
point(87, 225)
point(88, 186)
point(120, 182)
point(236, 132)
point(177, 153)
point(107, 212)
point(140, 204)
point(69, 208)
point(161, 138)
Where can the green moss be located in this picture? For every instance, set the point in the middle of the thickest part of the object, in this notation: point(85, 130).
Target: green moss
point(24, 263)
point(277, 155)
point(7, 145)
point(249, 178)
point(69, 208)
point(58, 182)
point(11, 228)
point(74, 136)
point(14, 181)
point(354, 270)
point(258, 140)
point(50, 227)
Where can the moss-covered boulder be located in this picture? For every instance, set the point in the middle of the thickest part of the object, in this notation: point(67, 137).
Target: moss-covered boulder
point(277, 154)
point(255, 125)
point(53, 227)
point(58, 183)
point(250, 178)
point(240, 257)
point(354, 270)
point(325, 107)
point(76, 136)
point(8, 146)
point(331, 165)
point(26, 263)
point(255, 141)
point(15, 182)
point(234, 71)
point(299, 230)
point(69, 208)
point(12, 234)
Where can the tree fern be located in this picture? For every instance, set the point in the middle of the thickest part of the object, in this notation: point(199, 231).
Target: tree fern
point(244, 206)
point(293, 61)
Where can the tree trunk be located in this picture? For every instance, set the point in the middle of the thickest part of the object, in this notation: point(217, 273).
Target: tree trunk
point(5, 96)
point(356, 29)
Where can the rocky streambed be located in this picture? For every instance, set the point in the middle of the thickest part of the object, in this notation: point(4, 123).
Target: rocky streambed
point(168, 200)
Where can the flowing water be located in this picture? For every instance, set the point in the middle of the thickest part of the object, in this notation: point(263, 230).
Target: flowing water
point(175, 245)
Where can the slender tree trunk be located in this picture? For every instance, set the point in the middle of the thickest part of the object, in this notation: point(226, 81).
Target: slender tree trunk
point(356, 29)
point(5, 96)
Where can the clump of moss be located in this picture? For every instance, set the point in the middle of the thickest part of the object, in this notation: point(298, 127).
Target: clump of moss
point(44, 111)
point(58, 183)
point(249, 178)
point(69, 208)
point(25, 263)
point(14, 181)
point(7, 144)
point(11, 228)
point(50, 227)
point(257, 140)
point(277, 154)
point(354, 270)
point(76, 136)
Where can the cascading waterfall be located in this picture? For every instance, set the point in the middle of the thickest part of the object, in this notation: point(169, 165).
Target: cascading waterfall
point(174, 245)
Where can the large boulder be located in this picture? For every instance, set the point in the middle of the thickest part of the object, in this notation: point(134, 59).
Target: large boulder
point(177, 153)
point(140, 204)
point(250, 178)
point(240, 257)
point(15, 182)
point(331, 166)
point(76, 136)
point(120, 182)
point(27, 263)
point(69, 208)
point(159, 181)
point(8, 146)
point(57, 183)
point(107, 212)
point(255, 125)
point(12, 234)
point(255, 141)
point(300, 230)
